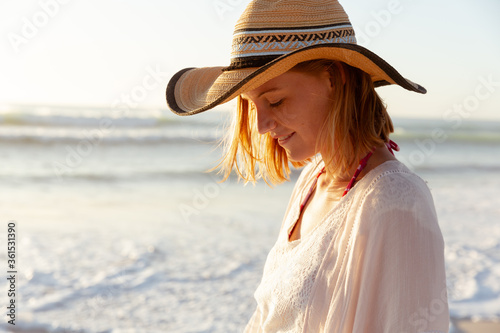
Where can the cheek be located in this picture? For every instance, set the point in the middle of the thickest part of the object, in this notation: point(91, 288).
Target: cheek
point(323, 109)
point(288, 116)
point(304, 113)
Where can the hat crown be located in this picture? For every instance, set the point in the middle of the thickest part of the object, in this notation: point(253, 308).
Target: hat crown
point(268, 29)
point(284, 14)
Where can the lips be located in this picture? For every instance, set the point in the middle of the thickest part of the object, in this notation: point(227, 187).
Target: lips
point(284, 139)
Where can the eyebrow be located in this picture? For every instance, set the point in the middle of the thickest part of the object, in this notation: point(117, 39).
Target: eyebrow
point(244, 96)
point(267, 91)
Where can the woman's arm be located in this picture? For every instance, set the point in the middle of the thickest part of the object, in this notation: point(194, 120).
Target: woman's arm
point(398, 256)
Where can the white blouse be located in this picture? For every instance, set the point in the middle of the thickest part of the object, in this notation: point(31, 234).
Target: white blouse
point(374, 264)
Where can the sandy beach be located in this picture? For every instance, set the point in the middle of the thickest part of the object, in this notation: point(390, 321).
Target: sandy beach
point(461, 326)
point(469, 326)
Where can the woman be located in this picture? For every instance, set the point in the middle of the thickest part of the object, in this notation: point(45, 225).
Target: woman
point(360, 249)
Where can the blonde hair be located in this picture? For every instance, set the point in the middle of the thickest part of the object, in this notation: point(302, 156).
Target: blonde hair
point(357, 122)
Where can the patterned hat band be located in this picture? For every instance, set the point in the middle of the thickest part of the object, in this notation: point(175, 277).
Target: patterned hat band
point(255, 48)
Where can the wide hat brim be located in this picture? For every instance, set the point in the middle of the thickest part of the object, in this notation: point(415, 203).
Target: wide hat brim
point(194, 90)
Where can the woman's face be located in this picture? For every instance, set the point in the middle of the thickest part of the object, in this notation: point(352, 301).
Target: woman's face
point(293, 108)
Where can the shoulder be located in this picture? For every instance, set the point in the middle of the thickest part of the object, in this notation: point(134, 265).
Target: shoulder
point(395, 194)
point(394, 182)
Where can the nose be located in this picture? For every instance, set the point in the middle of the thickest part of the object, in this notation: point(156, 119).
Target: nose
point(265, 121)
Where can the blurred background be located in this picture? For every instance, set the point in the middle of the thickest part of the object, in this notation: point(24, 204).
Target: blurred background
point(120, 229)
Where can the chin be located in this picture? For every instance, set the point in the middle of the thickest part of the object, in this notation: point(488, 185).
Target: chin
point(298, 157)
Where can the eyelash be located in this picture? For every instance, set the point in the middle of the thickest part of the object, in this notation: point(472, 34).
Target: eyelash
point(275, 105)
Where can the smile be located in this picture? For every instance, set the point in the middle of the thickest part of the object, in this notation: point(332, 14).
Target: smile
point(285, 139)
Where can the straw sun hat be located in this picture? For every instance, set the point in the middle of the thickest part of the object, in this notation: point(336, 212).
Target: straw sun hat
point(270, 38)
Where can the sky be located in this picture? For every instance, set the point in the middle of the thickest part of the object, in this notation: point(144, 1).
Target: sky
point(107, 52)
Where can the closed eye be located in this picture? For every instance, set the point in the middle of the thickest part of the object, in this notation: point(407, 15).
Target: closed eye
point(274, 105)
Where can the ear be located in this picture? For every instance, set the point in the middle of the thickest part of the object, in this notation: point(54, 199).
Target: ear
point(327, 75)
point(341, 70)
point(333, 72)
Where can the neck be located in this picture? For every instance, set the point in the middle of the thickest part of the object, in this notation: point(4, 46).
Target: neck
point(337, 179)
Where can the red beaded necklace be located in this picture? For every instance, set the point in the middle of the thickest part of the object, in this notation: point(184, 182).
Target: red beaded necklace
point(391, 145)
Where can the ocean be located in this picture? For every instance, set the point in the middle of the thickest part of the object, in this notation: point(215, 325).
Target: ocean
point(119, 227)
